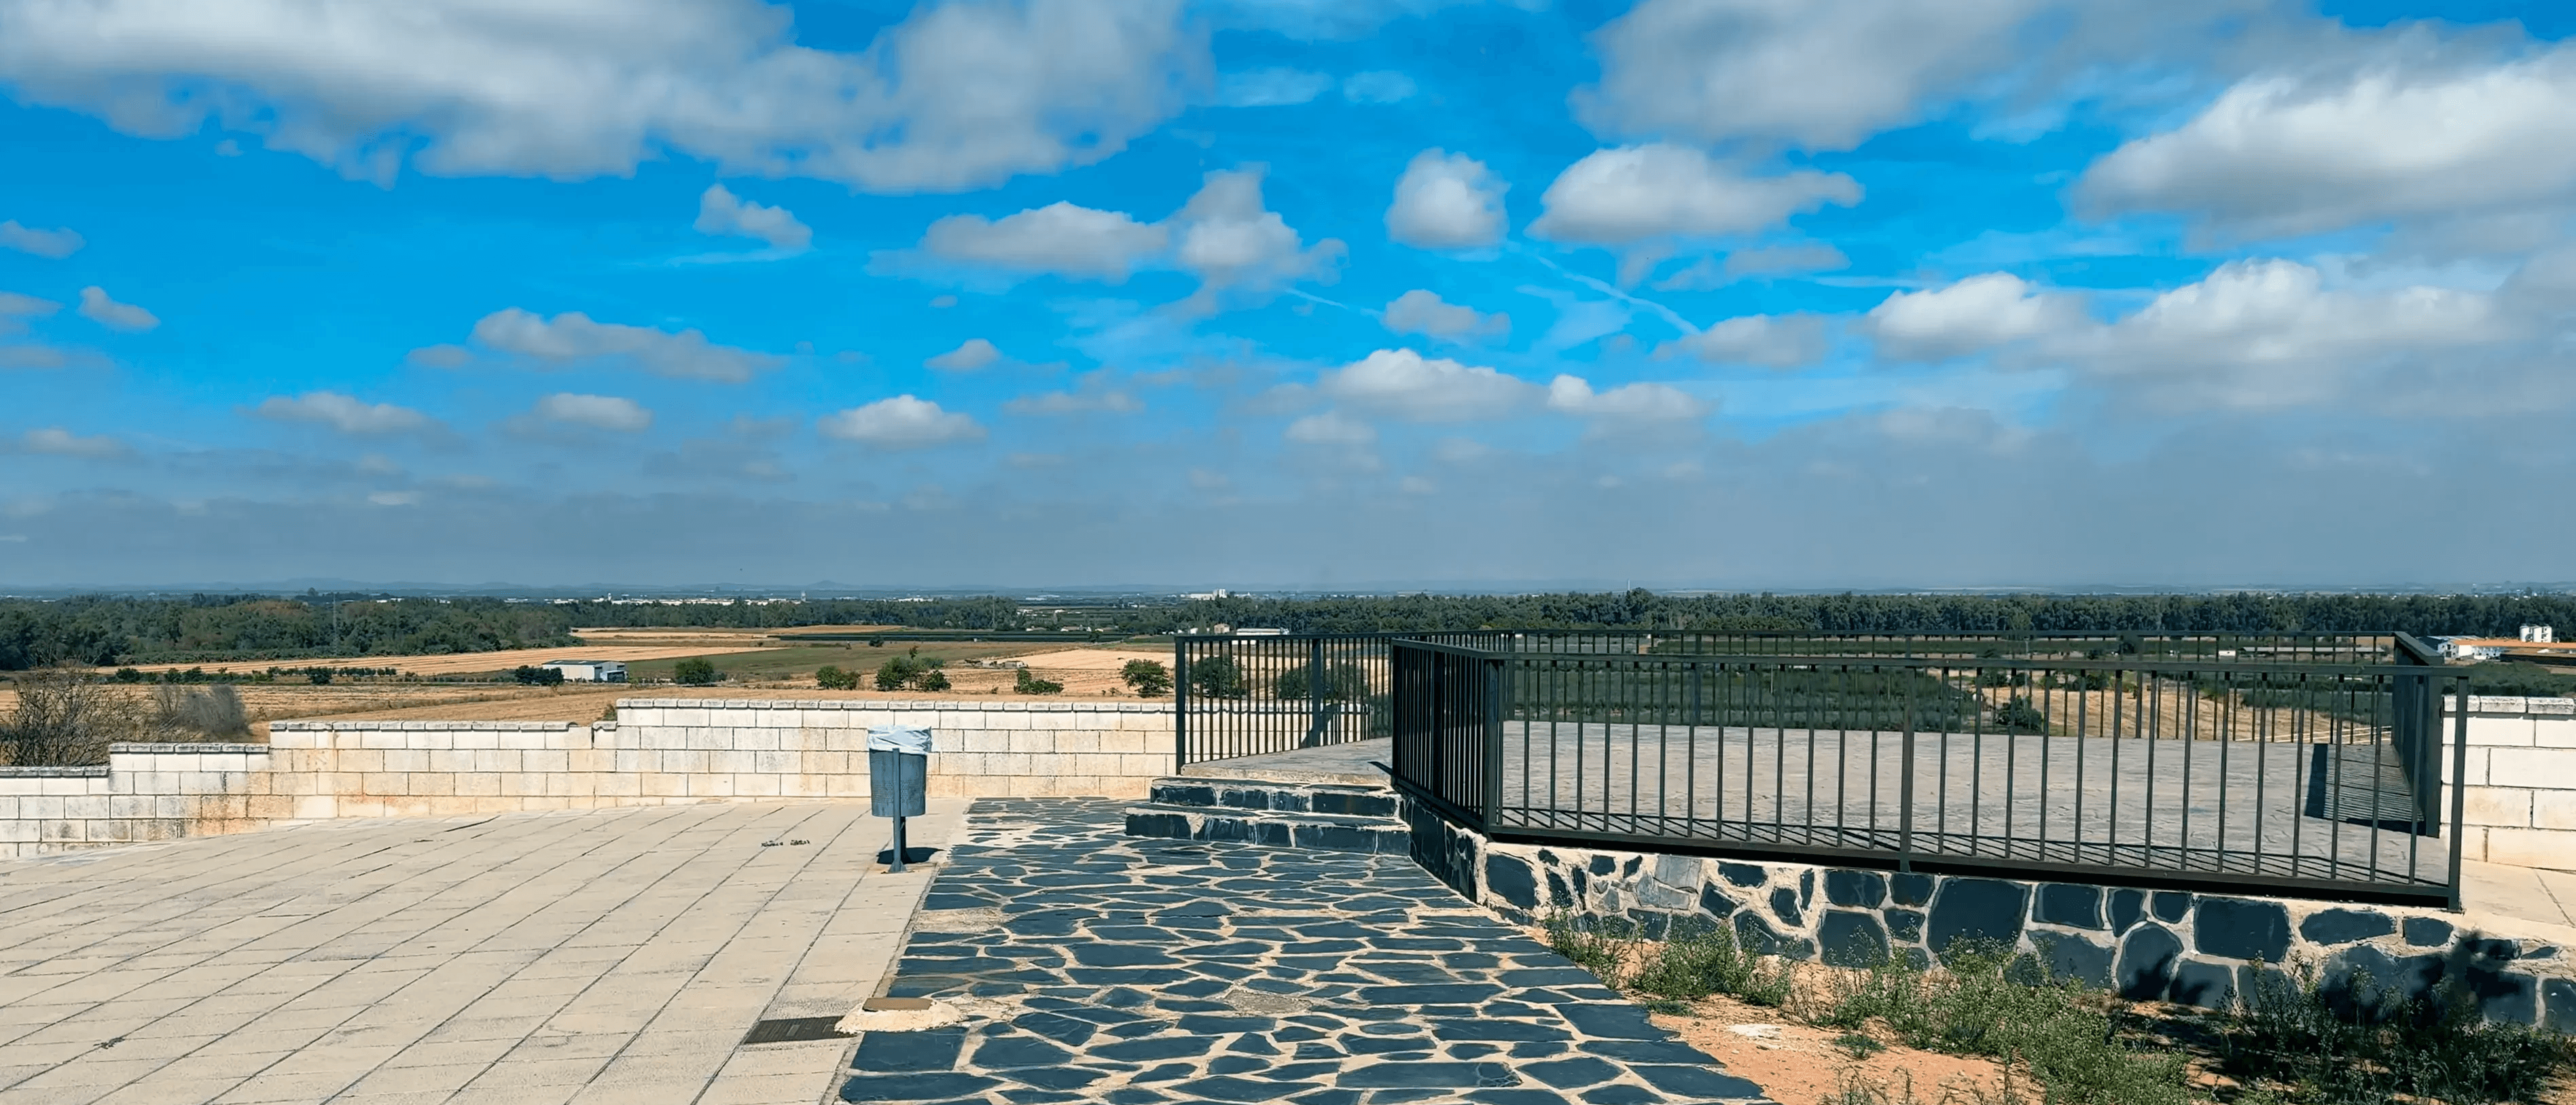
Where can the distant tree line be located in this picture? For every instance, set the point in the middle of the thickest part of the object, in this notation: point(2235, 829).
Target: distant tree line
point(108, 631)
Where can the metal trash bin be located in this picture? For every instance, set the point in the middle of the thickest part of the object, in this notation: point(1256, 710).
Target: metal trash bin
point(898, 777)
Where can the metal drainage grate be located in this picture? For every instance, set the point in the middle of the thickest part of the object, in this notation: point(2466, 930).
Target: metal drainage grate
point(794, 1030)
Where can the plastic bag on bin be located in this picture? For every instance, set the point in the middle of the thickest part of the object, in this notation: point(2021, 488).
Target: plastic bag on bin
point(914, 739)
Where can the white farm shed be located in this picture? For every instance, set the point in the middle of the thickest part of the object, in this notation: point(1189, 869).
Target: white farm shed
point(589, 671)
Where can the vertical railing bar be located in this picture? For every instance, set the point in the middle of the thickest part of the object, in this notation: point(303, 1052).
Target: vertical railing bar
point(2459, 784)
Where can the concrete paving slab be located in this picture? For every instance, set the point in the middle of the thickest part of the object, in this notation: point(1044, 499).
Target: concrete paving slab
point(526, 959)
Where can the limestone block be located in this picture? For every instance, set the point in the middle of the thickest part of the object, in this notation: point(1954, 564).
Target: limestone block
point(477, 739)
point(2553, 849)
point(1078, 741)
point(2505, 731)
point(1131, 740)
point(757, 786)
point(712, 784)
point(1030, 740)
point(2552, 809)
point(545, 760)
point(2497, 806)
point(730, 762)
point(430, 784)
point(663, 784)
point(522, 784)
point(130, 805)
point(759, 739)
point(449, 761)
point(268, 807)
point(479, 784)
point(619, 785)
point(315, 807)
point(693, 717)
point(1144, 765)
point(2549, 768)
point(365, 807)
point(708, 739)
point(2477, 767)
point(2553, 732)
point(770, 763)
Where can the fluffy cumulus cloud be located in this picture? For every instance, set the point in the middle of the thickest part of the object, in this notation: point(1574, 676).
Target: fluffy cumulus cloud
point(1637, 195)
point(1421, 311)
point(57, 244)
point(2281, 155)
point(1773, 341)
point(573, 337)
point(1823, 74)
point(345, 413)
point(723, 213)
point(1446, 201)
point(1974, 314)
point(957, 96)
point(1234, 244)
point(2270, 333)
point(1401, 383)
point(1271, 86)
point(598, 412)
point(57, 441)
point(96, 306)
point(903, 422)
point(1059, 238)
point(975, 353)
point(1643, 402)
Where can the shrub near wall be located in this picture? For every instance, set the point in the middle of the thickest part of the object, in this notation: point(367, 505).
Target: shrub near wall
point(2189, 948)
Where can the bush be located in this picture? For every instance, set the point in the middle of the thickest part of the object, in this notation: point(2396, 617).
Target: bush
point(1981, 1004)
point(1147, 678)
point(66, 717)
point(2354, 1042)
point(537, 676)
point(214, 712)
point(1698, 958)
point(2019, 716)
point(1339, 683)
point(696, 671)
point(1027, 682)
point(319, 677)
point(832, 678)
point(936, 680)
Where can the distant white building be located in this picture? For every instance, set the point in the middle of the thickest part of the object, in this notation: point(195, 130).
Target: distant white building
point(2468, 649)
point(2539, 635)
point(589, 671)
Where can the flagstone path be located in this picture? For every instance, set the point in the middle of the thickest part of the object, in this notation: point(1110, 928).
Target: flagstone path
point(1096, 967)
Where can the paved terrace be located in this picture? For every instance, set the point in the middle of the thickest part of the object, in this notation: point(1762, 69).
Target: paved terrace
point(523, 959)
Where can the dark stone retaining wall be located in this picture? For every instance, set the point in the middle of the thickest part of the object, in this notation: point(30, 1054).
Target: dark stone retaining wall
point(2196, 949)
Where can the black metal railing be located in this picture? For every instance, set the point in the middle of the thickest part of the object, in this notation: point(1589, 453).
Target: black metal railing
point(2313, 778)
point(1256, 693)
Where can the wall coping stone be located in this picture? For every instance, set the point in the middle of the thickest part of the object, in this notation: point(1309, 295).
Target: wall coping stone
point(2518, 704)
point(85, 771)
point(203, 747)
point(412, 727)
point(891, 704)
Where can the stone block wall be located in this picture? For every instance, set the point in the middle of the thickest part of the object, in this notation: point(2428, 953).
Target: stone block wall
point(2196, 949)
point(2520, 801)
point(658, 751)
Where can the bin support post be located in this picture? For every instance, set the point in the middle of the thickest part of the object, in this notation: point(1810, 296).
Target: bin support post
point(897, 867)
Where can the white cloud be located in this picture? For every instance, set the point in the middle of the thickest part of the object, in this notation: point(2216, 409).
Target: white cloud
point(1331, 428)
point(722, 212)
point(1804, 257)
point(2269, 333)
point(599, 412)
point(1629, 195)
point(1233, 243)
point(14, 307)
point(97, 307)
point(572, 336)
point(2276, 155)
point(974, 354)
point(956, 96)
point(1092, 394)
point(1977, 313)
point(1059, 238)
point(1776, 341)
point(56, 441)
point(1447, 201)
point(1643, 402)
point(1377, 86)
point(1421, 312)
point(1404, 384)
point(903, 422)
point(58, 243)
point(344, 413)
point(1270, 87)
point(1823, 74)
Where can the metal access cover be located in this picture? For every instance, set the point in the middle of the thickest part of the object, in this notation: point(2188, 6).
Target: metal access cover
point(794, 1030)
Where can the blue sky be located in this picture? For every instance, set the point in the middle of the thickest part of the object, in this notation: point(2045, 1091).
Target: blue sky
point(1312, 293)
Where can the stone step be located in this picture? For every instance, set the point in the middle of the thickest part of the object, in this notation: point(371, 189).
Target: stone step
point(1340, 800)
point(1270, 828)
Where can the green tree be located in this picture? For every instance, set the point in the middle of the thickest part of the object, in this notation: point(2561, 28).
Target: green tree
point(1148, 678)
point(537, 676)
point(1027, 682)
point(1343, 682)
point(1217, 677)
point(832, 678)
point(696, 671)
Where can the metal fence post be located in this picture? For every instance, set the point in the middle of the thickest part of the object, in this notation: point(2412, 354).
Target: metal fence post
point(1315, 690)
point(2459, 791)
point(1495, 674)
point(1905, 788)
point(1180, 704)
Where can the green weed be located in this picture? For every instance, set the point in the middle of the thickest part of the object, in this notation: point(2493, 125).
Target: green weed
point(2361, 1043)
point(1698, 958)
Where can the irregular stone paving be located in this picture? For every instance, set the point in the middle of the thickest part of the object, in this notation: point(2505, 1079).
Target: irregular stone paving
point(1096, 967)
